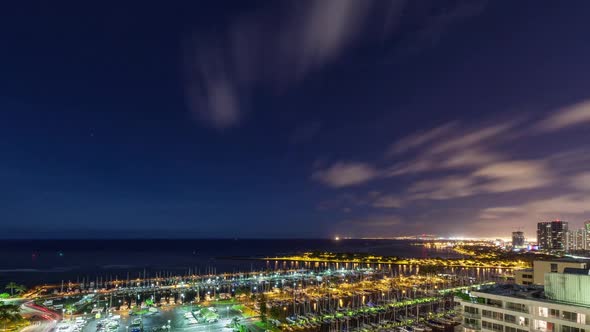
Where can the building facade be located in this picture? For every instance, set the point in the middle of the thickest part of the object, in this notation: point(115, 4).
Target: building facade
point(524, 277)
point(540, 268)
point(536, 275)
point(569, 287)
point(576, 240)
point(587, 237)
point(520, 311)
point(552, 235)
point(517, 240)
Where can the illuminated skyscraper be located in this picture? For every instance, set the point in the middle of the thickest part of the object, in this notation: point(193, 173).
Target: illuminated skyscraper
point(587, 235)
point(576, 240)
point(552, 235)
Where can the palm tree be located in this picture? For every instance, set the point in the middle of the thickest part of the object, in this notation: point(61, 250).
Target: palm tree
point(20, 289)
point(12, 286)
point(9, 313)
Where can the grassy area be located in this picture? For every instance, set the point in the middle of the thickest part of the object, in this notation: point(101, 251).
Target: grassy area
point(224, 302)
point(466, 297)
point(208, 314)
point(140, 312)
point(238, 307)
point(266, 326)
point(246, 311)
point(15, 326)
point(249, 312)
point(463, 296)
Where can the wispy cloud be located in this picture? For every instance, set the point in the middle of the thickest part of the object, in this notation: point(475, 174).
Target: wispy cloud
point(562, 206)
point(382, 224)
point(443, 188)
point(498, 212)
point(210, 91)
point(573, 115)
point(346, 174)
point(278, 46)
point(477, 137)
point(421, 138)
point(451, 146)
point(275, 47)
point(388, 201)
point(581, 181)
point(445, 148)
point(454, 161)
point(498, 177)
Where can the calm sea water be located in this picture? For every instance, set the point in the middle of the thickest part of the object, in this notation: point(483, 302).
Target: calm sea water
point(50, 261)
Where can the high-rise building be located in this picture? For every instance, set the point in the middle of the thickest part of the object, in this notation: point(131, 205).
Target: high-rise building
point(587, 235)
point(517, 240)
point(576, 240)
point(552, 235)
point(580, 239)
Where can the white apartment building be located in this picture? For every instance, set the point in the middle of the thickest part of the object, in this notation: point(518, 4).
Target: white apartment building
point(512, 308)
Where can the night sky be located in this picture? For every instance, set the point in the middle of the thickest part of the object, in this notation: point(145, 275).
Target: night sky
point(292, 118)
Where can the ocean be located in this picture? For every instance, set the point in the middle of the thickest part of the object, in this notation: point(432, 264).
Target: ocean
point(34, 262)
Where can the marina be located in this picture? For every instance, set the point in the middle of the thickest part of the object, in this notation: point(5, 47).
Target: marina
point(360, 299)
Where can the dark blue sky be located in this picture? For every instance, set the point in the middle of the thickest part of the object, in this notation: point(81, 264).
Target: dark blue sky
point(292, 119)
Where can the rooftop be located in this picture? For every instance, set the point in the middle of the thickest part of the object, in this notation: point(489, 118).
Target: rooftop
point(529, 292)
point(572, 270)
point(512, 290)
point(564, 260)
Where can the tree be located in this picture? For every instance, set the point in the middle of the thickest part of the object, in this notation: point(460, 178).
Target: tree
point(243, 291)
point(12, 286)
point(263, 308)
point(20, 289)
point(275, 312)
point(9, 313)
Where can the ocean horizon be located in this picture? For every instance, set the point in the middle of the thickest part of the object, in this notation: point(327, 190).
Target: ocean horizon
point(38, 261)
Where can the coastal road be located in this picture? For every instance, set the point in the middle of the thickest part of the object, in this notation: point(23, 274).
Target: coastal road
point(44, 320)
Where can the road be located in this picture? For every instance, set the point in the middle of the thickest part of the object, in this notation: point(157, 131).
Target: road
point(44, 320)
